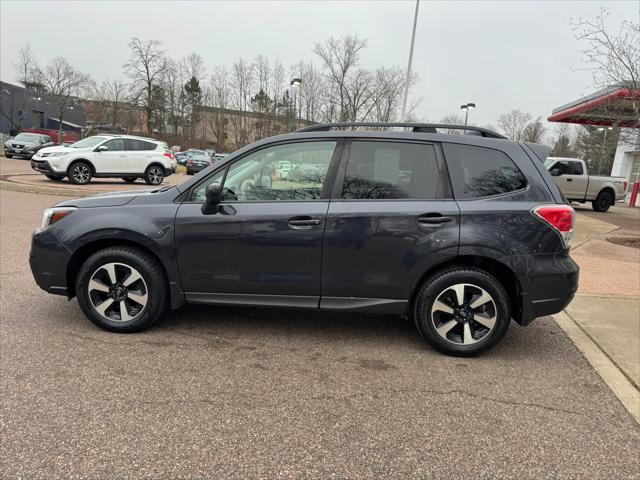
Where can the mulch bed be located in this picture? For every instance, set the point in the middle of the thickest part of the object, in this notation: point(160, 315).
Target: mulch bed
point(625, 241)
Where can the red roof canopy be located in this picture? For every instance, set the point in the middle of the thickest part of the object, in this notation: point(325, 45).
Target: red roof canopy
point(608, 107)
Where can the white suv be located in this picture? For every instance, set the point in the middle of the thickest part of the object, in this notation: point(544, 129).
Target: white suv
point(102, 156)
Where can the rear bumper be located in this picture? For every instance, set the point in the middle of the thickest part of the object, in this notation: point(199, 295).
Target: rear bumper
point(549, 286)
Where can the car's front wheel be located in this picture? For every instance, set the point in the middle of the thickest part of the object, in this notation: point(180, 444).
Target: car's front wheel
point(462, 311)
point(8, 155)
point(154, 175)
point(122, 289)
point(79, 173)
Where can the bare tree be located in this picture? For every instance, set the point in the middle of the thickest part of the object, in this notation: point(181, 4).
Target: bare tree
point(563, 145)
point(514, 123)
point(614, 60)
point(26, 70)
point(339, 58)
point(453, 119)
point(108, 99)
point(145, 68)
point(63, 84)
point(387, 93)
point(534, 131)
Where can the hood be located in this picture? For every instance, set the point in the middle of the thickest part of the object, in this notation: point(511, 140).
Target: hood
point(55, 149)
point(109, 199)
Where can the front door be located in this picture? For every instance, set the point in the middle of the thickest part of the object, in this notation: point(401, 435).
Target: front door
point(264, 245)
point(390, 221)
point(111, 160)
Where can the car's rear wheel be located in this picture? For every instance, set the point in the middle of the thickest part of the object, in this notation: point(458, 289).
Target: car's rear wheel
point(154, 175)
point(603, 202)
point(462, 311)
point(129, 179)
point(122, 289)
point(55, 178)
point(79, 173)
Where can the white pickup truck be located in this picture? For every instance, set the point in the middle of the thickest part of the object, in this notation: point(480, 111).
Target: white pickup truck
point(570, 174)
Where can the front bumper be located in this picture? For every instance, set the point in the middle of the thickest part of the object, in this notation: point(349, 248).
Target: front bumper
point(48, 260)
point(42, 166)
point(550, 284)
point(24, 152)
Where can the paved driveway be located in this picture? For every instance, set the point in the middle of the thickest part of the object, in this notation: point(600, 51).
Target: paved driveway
point(245, 393)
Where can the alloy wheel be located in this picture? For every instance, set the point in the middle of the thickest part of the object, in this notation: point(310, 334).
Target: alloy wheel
point(155, 175)
point(81, 174)
point(118, 292)
point(464, 314)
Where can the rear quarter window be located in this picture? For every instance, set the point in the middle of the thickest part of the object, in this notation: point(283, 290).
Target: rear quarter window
point(478, 172)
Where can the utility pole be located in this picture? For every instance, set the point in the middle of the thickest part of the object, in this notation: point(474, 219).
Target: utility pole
point(408, 79)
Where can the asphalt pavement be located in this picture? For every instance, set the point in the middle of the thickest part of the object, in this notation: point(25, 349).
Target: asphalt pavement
point(215, 392)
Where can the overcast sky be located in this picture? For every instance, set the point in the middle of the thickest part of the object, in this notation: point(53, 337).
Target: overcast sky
point(499, 55)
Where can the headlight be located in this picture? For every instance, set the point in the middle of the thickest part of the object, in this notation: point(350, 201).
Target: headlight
point(53, 215)
point(54, 154)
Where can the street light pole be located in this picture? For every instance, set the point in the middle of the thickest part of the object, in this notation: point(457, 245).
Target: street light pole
point(602, 149)
point(467, 107)
point(408, 79)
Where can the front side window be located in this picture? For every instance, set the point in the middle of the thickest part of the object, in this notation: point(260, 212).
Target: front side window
point(115, 145)
point(295, 171)
point(393, 170)
point(481, 172)
point(199, 194)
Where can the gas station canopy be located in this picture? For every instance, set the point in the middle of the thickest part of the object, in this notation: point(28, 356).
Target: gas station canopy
point(611, 106)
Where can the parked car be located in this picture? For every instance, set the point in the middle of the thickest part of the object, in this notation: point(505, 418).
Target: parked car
point(26, 145)
point(219, 157)
point(106, 156)
point(211, 153)
point(198, 162)
point(181, 157)
point(66, 138)
point(570, 174)
point(475, 234)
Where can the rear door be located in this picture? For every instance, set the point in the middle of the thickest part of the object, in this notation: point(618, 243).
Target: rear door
point(391, 218)
point(139, 154)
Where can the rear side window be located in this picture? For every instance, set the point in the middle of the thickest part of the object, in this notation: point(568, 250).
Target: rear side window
point(393, 170)
point(481, 172)
point(138, 145)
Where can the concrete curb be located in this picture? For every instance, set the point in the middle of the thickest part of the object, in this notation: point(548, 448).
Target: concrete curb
point(66, 192)
point(610, 373)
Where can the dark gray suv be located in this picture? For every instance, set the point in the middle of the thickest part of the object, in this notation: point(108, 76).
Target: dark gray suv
point(461, 233)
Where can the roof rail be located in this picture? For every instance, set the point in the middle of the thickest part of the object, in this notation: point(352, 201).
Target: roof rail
point(416, 127)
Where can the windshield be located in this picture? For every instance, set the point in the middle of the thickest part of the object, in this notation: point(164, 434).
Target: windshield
point(548, 162)
point(26, 137)
point(88, 142)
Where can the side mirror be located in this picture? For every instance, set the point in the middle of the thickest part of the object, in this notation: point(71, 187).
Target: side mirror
point(555, 172)
point(214, 195)
point(102, 148)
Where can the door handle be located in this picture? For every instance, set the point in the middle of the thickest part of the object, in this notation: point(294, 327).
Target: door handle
point(569, 179)
point(433, 219)
point(303, 222)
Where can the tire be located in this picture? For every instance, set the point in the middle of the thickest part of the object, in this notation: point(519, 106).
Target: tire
point(154, 175)
point(129, 179)
point(144, 300)
point(603, 202)
point(79, 173)
point(466, 331)
point(55, 178)
point(8, 155)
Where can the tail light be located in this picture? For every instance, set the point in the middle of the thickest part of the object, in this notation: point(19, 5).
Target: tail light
point(168, 154)
point(560, 217)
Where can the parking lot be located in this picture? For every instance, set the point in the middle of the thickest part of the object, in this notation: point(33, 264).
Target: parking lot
point(285, 393)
